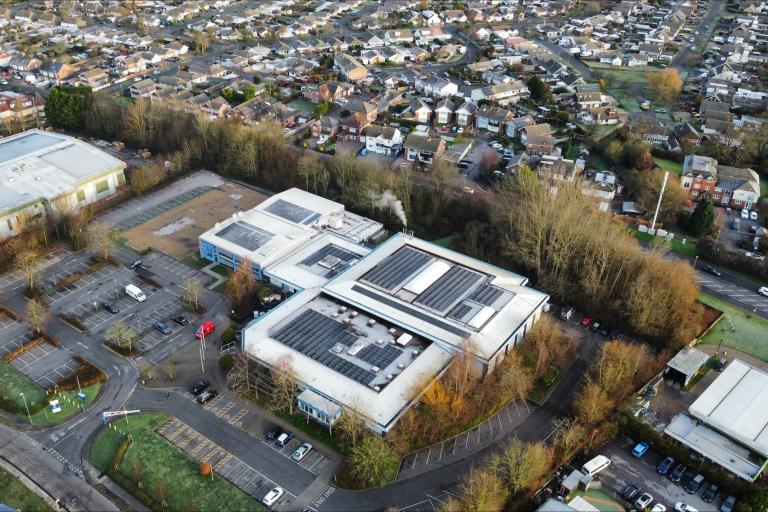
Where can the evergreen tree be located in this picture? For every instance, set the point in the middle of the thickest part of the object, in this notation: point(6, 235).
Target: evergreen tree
point(539, 90)
point(703, 218)
point(66, 106)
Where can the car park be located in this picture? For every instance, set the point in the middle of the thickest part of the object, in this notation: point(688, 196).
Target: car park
point(586, 321)
point(162, 328)
point(199, 386)
point(604, 331)
point(284, 438)
point(694, 484)
point(709, 269)
point(640, 449)
point(207, 395)
point(180, 320)
point(710, 493)
point(630, 492)
point(728, 504)
point(274, 433)
point(644, 501)
point(677, 474)
point(205, 329)
point(110, 307)
point(301, 452)
point(273, 496)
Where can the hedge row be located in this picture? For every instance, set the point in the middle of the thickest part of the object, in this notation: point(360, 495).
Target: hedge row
point(73, 321)
point(13, 354)
point(93, 267)
point(117, 459)
point(87, 375)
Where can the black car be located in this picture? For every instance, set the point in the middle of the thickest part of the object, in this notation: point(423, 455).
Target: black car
point(274, 433)
point(630, 492)
point(720, 364)
point(665, 465)
point(181, 320)
point(709, 269)
point(605, 331)
point(710, 493)
point(617, 334)
point(110, 306)
point(694, 484)
point(162, 328)
point(728, 504)
point(209, 394)
point(135, 264)
point(199, 386)
point(677, 474)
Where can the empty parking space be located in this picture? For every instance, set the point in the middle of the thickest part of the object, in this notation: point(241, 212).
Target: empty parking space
point(232, 412)
point(14, 280)
point(45, 364)
point(227, 465)
point(89, 310)
point(112, 278)
point(175, 267)
point(14, 336)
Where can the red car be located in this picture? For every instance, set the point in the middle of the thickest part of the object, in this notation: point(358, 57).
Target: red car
point(586, 321)
point(205, 329)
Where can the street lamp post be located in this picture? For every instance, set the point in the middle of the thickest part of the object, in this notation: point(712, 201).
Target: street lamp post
point(29, 416)
point(694, 261)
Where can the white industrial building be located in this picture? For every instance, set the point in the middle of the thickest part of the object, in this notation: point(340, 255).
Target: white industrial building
point(45, 174)
point(728, 423)
point(367, 327)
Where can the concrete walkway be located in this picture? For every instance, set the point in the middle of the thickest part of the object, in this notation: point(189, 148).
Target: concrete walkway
point(208, 270)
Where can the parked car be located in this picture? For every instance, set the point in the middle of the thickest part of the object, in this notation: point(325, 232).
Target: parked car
point(640, 449)
point(694, 484)
point(135, 264)
point(684, 507)
point(720, 364)
point(180, 320)
point(586, 321)
point(567, 312)
point(710, 493)
point(162, 328)
point(110, 307)
point(630, 492)
point(273, 496)
point(594, 327)
point(677, 474)
point(199, 386)
point(616, 334)
point(763, 290)
point(744, 213)
point(604, 331)
point(274, 433)
point(659, 508)
point(205, 329)
point(755, 256)
point(752, 215)
point(301, 452)
point(644, 501)
point(208, 394)
point(284, 438)
point(728, 504)
point(709, 269)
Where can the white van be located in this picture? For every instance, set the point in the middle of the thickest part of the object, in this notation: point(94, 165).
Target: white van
point(135, 293)
point(596, 465)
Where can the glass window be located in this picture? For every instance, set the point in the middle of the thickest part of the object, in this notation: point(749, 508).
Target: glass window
point(102, 186)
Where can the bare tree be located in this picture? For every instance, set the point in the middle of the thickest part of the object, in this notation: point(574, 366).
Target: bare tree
point(170, 368)
point(482, 491)
point(350, 423)
point(37, 314)
point(522, 465)
point(285, 388)
point(193, 290)
point(121, 335)
point(241, 371)
point(592, 404)
point(101, 240)
point(146, 371)
point(28, 263)
point(241, 282)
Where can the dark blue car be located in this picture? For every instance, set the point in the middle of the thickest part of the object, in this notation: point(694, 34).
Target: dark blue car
point(666, 465)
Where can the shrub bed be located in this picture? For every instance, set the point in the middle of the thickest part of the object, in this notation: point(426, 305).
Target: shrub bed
point(87, 375)
point(132, 352)
point(73, 321)
point(13, 354)
point(93, 267)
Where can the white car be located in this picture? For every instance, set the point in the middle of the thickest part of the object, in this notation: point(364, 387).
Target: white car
point(468, 190)
point(753, 215)
point(301, 452)
point(763, 291)
point(659, 508)
point(684, 507)
point(744, 213)
point(273, 496)
point(644, 501)
point(755, 256)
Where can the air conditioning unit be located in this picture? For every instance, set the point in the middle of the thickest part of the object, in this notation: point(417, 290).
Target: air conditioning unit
point(379, 341)
point(401, 366)
point(390, 376)
point(348, 321)
point(377, 388)
point(392, 331)
point(353, 314)
point(371, 322)
point(415, 353)
point(343, 309)
point(375, 369)
point(335, 315)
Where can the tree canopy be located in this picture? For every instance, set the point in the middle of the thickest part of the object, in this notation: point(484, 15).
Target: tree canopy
point(66, 106)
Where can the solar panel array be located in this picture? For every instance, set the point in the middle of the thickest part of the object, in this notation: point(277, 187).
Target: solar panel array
point(245, 235)
point(289, 211)
point(332, 250)
point(313, 334)
point(448, 288)
point(379, 356)
point(396, 268)
point(459, 311)
point(486, 294)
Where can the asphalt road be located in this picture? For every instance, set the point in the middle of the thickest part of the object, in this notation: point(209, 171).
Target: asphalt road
point(735, 289)
point(680, 62)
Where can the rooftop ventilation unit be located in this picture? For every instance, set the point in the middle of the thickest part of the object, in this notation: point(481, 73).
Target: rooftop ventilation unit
point(335, 315)
point(355, 348)
point(415, 353)
point(392, 330)
point(401, 366)
point(377, 388)
point(343, 308)
point(337, 348)
point(390, 376)
point(380, 341)
point(371, 322)
point(375, 369)
point(353, 314)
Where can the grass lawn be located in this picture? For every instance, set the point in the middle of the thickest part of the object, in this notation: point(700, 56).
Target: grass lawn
point(630, 105)
point(600, 500)
point(70, 406)
point(598, 162)
point(669, 165)
point(16, 382)
point(303, 105)
point(738, 329)
point(15, 494)
point(445, 241)
point(159, 460)
point(685, 249)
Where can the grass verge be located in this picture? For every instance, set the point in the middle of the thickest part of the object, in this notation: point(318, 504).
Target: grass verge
point(16, 494)
point(669, 165)
point(163, 469)
point(738, 329)
point(70, 406)
point(687, 249)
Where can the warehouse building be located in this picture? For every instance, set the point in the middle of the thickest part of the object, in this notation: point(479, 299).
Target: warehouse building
point(44, 175)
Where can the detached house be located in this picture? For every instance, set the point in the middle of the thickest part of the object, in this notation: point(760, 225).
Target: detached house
point(423, 149)
point(350, 67)
point(730, 186)
point(465, 113)
point(384, 140)
point(421, 111)
point(444, 111)
point(492, 119)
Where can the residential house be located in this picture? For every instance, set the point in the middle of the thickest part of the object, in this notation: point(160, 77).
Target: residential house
point(492, 119)
point(514, 125)
point(729, 186)
point(510, 92)
point(132, 64)
point(55, 71)
point(444, 111)
point(423, 149)
point(384, 140)
point(420, 111)
point(539, 145)
point(555, 167)
point(19, 108)
point(542, 129)
point(436, 86)
point(398, 36)
point(23, 63)
point(687, 134)
point(465, 113)
point(350, 67)
point(143, 88)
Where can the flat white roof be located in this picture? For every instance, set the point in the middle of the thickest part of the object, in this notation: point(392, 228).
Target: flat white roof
point(688, 361)
point(474, 305)
point(36, 164)
point(736, 404)
point(714, 446)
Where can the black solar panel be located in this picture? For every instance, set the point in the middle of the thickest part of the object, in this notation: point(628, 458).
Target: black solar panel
point(245, 235)
point(311, 219)
point(396, 268)
point(379, 356)
point(289, 211)
point(486, 294)
point(459, 311)
point(329, 250)
point(448, 288)
point(314, 334)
